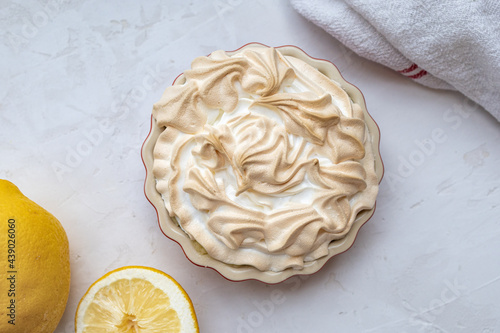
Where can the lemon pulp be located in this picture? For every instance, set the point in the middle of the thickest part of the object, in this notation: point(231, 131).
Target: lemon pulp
point(131, 306)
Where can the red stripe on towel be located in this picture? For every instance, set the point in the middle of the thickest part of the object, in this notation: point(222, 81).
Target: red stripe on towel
point(409, 69)
point(418, 75)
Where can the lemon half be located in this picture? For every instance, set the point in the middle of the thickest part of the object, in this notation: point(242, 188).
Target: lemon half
point(135, 299)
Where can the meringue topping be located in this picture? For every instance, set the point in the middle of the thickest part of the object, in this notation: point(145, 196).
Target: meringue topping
point(263, 160)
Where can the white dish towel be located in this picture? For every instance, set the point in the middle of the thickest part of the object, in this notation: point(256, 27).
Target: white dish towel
point(446, 44)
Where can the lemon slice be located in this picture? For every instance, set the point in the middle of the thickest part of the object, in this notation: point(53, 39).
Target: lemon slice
point(135, 299)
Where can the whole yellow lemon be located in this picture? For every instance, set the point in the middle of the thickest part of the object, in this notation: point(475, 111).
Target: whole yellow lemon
point(34, 265)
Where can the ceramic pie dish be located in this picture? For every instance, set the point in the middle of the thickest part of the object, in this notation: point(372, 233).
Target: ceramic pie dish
point(197, 254)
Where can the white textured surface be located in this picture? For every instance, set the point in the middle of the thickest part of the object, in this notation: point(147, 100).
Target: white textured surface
point(78, 83)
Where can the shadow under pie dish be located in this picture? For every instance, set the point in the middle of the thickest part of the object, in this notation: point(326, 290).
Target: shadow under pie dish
point(262, 163)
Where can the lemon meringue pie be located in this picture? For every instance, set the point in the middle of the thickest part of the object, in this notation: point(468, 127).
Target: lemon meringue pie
point(262, 159)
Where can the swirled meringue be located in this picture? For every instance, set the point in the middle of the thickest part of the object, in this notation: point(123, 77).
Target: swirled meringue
point(263, 159)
